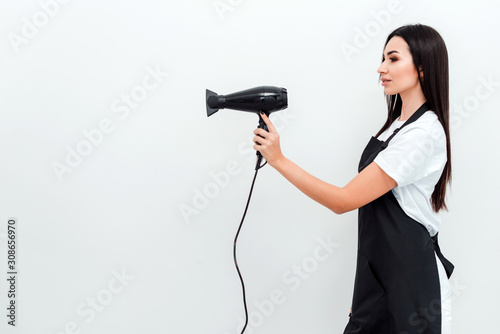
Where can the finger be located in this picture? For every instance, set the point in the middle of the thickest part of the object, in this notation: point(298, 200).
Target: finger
point(261, 132)
point(268, 122)
point(259, 140)
point(259, 146)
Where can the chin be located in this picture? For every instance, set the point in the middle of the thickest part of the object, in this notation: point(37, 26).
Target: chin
point(390, 92)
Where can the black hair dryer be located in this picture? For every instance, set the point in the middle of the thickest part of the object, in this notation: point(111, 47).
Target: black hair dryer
point(266, 99)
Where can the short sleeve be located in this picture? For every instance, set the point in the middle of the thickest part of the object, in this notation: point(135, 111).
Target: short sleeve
point(414, 153)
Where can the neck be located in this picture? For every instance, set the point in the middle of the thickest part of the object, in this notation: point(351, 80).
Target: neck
point(411, 101)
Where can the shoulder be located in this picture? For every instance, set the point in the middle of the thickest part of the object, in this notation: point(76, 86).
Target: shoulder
point(416, 151)
point(426, 128)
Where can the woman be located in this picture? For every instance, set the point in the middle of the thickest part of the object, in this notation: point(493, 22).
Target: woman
point(401, 283)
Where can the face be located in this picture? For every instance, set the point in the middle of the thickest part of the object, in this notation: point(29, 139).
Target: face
point(397, 72)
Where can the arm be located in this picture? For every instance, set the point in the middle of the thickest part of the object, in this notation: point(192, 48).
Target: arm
point(367, 186)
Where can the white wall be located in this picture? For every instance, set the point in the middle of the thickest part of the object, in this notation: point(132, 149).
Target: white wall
point(67, 68)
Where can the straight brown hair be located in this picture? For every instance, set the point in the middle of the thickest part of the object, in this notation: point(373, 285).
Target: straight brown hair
point(429, 54)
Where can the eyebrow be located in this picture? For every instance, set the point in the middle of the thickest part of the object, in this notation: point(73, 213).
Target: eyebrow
point(391, 52)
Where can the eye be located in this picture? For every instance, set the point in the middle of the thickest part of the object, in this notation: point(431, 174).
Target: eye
point(393, 59)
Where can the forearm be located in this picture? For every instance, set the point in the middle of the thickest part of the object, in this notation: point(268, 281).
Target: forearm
point(326, 194)
point(371, 183)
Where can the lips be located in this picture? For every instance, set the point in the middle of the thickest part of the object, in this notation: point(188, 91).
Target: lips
point(385, 81)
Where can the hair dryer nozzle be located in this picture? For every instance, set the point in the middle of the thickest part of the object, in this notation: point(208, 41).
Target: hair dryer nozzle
point(213, 102)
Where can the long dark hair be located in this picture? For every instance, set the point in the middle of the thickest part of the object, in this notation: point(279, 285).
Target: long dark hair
point(429, 54)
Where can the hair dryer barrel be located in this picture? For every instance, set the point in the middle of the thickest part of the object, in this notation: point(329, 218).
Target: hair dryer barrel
point(264, 98)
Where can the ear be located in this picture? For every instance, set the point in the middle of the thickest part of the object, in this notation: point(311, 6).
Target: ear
point(420, 72)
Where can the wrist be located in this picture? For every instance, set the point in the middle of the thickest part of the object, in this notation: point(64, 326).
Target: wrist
point(279, 163)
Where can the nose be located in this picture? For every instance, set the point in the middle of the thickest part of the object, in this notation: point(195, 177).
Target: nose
point(382, 69)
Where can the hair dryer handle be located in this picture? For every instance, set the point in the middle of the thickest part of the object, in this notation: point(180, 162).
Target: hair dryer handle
point(262, 125)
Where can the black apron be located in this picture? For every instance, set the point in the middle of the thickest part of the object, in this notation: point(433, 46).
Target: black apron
point(396, 289)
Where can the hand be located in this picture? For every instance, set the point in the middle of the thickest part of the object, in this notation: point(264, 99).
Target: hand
point(269, 142)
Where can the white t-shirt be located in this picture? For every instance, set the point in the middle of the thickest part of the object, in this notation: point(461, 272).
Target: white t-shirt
point(415, 159)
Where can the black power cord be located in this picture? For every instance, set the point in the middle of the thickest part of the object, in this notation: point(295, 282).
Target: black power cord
point(257, 167)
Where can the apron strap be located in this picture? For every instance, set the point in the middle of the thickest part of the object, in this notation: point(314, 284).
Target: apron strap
point(416, 115)
point(448, 266)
